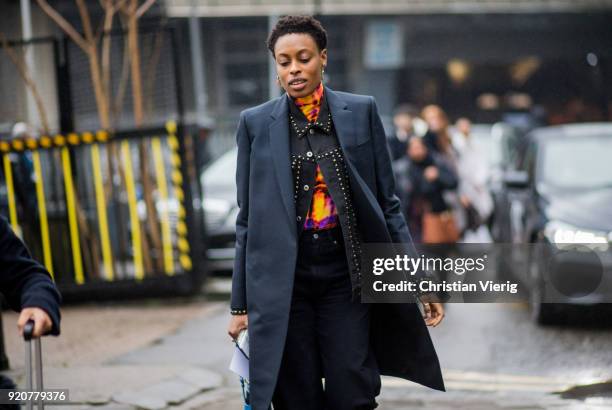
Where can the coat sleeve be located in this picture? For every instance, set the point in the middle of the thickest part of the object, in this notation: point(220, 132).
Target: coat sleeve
point(387, 199)
point(238, 298)
point(447, 177)
point(25, 282)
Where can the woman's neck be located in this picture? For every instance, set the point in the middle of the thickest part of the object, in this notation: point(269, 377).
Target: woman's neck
point(310, 105)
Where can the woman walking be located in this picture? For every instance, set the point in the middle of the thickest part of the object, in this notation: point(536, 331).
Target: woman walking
point(314, 183)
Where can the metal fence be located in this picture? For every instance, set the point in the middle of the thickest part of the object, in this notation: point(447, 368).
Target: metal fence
point(101, 209)
point(107, 212)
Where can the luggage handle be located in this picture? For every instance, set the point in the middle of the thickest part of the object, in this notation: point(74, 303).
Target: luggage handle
point(28, 332)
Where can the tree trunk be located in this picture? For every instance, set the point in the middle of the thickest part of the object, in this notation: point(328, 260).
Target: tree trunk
point(98, 84)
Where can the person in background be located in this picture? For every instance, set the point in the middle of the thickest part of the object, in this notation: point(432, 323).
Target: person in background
point(23, 174)
point(438, 140)
point(422, 177)
point(403, 120)
point(474, 194)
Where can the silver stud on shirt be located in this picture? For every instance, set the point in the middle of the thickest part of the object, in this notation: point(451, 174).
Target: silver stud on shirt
point(332, 161)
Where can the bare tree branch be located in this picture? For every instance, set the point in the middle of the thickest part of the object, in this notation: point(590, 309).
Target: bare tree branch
point(64, 25)
point(22, 69)
point(125, 74)
point(85, 20)
point(110, 8)
point(144, 7)
point(150, 69)
point(89, 46)
point(119, 4)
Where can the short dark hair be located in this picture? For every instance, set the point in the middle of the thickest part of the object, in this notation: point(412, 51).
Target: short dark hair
point(406, 109)
point(300, 25)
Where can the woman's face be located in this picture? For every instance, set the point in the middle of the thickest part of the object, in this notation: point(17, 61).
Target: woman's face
point(417, 151)
point(299, 63)
point(435, 119)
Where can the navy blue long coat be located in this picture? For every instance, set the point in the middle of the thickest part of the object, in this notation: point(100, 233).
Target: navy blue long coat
point(266, 238)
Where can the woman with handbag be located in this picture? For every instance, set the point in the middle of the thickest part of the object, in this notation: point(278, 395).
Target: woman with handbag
point(314, 183)
point(440, 143)
point(423, 179)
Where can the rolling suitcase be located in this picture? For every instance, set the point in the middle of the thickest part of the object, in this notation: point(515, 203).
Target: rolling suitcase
point(34, 343)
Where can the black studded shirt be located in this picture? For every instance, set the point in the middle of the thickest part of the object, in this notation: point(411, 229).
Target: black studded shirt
point(315, 146)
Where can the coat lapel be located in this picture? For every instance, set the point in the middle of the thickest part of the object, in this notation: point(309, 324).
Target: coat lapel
point(342, 117)
point(344, 124)
point(280, 149)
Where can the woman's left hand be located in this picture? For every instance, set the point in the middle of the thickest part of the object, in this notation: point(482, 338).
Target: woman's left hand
point(434, 312)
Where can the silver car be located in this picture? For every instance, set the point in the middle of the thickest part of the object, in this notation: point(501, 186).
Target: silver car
point(220, 211)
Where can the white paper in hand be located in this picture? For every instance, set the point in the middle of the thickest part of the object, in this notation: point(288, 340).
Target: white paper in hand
point(239, 364)
point(240, 360)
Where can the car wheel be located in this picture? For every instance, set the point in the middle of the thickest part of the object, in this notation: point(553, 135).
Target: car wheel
point(502, 267)
point(542, 313)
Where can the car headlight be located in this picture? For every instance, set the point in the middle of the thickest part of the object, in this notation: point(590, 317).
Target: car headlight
point(565, 235)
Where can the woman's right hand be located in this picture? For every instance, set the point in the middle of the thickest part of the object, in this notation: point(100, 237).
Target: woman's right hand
point(236, 324)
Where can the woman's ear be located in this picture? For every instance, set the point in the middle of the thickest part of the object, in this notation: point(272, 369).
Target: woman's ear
point(323, 56)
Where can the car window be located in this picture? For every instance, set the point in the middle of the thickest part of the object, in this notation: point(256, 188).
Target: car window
point(577, 163)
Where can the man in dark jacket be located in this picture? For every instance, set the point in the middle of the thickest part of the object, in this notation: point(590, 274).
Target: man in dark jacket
point(27, 286)
point(403, 120)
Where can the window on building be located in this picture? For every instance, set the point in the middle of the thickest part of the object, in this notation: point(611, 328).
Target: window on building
point(337, 72)
point(245, 61)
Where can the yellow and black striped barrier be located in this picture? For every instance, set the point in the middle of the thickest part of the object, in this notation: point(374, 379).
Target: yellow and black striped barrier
point(107, 207)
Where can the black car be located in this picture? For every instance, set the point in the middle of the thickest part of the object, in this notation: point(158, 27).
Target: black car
point(559, 208)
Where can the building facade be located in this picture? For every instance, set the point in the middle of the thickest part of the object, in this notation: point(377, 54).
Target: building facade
point(482, 59)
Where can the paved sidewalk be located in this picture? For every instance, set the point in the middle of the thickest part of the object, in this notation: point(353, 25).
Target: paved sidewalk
point(174, 355)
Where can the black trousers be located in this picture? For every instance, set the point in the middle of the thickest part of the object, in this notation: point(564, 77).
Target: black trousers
point(328, 335)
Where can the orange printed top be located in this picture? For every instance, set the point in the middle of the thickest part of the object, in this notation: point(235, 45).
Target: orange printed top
point(322, 213)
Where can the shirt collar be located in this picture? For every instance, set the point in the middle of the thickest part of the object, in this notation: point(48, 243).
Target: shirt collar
point(301, 125)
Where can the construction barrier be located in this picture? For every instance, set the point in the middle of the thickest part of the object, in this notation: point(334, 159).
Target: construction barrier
point(107, 211)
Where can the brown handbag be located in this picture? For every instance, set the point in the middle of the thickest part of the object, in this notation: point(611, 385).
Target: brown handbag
point(439, 227)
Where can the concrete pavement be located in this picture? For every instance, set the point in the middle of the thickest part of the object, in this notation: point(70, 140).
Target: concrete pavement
point(174, 355)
